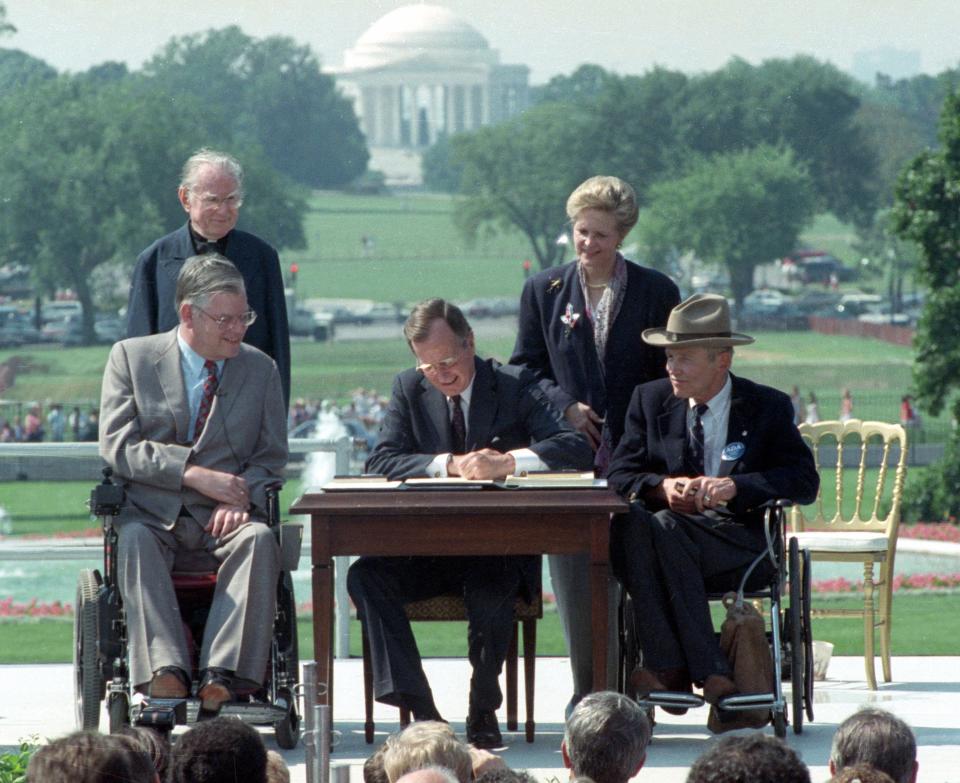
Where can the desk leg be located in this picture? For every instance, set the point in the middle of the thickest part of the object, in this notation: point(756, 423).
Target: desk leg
point(599, 570)
point(323, 630)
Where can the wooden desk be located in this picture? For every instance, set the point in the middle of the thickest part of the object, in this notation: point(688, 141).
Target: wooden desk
point(457, 522)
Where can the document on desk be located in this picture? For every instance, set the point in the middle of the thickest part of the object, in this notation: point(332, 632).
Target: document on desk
point(554, 480)
point(448, 482)
point(362, 483)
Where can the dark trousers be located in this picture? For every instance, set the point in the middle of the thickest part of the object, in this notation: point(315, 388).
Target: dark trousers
point(380, 586)
point(668, 562)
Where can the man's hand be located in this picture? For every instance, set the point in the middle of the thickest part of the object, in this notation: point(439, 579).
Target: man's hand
point(215, 484)
point(225, 519)
point(482, 464)
point(687, 495)
point(585, 420)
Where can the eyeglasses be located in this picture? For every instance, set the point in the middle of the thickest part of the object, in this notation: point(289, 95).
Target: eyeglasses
point(226, 321)
point(443, 364)
point(209, 201)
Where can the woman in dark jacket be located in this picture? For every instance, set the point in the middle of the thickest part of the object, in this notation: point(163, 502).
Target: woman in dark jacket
point(580, 327)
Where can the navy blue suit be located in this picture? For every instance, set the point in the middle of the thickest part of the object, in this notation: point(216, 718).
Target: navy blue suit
point(569, 370)
point(565, 360)
point(151, 308)
point(507, 411)
point(669, 561)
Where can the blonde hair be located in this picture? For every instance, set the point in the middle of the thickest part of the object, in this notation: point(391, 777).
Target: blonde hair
point(608, 194)
point(425, 744)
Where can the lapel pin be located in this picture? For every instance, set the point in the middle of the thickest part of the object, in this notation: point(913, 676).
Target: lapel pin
point(555, 284)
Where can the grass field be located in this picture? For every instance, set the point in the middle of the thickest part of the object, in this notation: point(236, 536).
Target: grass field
point(926, 624)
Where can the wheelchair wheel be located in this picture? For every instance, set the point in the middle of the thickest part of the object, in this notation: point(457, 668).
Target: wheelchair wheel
point(88, 685)
point(805, 610)
point(287, 729)
point(798, 666)
point(118, 711)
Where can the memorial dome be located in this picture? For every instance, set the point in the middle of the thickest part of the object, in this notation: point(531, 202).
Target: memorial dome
point(413, 31)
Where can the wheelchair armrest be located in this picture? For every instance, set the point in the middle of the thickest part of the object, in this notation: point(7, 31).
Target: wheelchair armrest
point(776, 503)
point(291, 538)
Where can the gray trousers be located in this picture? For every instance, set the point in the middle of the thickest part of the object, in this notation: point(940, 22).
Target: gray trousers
point(570, 575)
point(240, 624)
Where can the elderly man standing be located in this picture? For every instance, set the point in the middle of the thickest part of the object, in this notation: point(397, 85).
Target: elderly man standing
point(456, 415)
point(211, 193)
point(193, 422)
point(702, 450)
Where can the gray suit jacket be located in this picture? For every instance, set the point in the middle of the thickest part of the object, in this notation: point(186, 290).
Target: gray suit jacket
point(145, 417)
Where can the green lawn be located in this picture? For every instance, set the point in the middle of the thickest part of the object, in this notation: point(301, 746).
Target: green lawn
point(924, 624)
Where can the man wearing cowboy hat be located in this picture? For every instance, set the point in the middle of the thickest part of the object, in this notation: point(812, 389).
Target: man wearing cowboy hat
point(702, 450)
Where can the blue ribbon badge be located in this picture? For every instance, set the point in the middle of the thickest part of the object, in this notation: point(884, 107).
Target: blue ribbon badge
point(732, 452)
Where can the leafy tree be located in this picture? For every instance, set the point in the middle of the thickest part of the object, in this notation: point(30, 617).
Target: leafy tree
point(739, 209)
point(520, 173)
point(584, 84)
point(18, 69)
point(927, 211)
point(800, 103)
point(440, 173)
point(271, 93)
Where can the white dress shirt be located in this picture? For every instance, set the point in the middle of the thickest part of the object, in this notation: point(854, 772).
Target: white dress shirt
point(715, 422)
point(194, 377)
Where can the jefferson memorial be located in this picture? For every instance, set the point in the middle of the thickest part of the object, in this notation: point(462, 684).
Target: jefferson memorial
point(421, 72)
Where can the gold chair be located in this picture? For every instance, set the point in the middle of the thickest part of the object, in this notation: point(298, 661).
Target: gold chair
point(863, 534)
point(452, 608)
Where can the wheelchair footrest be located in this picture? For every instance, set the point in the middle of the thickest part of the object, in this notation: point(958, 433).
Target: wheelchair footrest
point(747, 701)
point(677, 699)
point(161, 714)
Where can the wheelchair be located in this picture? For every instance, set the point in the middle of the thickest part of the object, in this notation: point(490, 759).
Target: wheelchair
point(787, 629)
point(100, 655)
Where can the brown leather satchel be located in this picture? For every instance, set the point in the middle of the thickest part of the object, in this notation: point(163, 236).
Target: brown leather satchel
point(743, 640)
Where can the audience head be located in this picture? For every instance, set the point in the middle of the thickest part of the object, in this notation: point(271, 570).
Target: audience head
point(277, 770)
point(879, 738)
point(221, 750)
point(154, 743)
point(606, 738)
point(861, 773)
point(754, 757)
point(431, 774)
point(373, 771)
point(426, 744)
point(505, 775)
point(89, 757)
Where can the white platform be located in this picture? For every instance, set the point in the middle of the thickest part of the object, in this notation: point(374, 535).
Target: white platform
point(38, 700)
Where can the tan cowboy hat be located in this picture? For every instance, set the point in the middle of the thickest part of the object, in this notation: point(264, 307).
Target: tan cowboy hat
point(701, 321)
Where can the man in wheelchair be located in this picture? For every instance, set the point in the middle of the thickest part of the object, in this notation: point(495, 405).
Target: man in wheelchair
point(702, 451)
point(193, 423)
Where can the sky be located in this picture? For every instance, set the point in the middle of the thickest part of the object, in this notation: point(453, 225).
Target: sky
point(550, 36)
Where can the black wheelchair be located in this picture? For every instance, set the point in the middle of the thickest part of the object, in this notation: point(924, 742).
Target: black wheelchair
point(787, 629)
point(100, 659)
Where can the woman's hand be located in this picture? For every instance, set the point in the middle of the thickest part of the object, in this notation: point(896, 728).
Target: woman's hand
point(584, 419)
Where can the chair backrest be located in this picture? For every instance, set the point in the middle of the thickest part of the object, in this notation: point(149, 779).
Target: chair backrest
point(875, 444)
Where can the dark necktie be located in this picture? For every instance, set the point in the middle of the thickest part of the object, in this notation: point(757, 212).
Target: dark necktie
point(206, 401)
point(459, 427)
point(695, 442)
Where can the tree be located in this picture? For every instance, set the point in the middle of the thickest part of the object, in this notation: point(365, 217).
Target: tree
point(520, 174)
point(272, 93)
point(927, 211)
point(799, 103)
point(738, 209)
point(18, 69)
point(584, 84)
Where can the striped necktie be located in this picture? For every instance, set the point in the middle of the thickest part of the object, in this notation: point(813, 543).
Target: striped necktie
point(206, 401)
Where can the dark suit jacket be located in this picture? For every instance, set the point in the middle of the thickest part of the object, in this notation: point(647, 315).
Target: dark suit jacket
point(507, 411)
point(775, 464)
point(565, 360)
point(153, 292)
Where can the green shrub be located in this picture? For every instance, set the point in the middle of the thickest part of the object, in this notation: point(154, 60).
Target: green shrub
point(13, 766)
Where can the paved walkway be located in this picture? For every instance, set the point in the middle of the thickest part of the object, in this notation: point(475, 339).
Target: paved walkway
point(38, 700)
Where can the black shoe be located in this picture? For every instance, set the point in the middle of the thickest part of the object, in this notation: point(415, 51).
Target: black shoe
point(422, 709)
point(483, 731)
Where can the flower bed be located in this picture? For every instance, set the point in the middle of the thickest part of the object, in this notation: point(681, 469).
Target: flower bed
point(932, 531)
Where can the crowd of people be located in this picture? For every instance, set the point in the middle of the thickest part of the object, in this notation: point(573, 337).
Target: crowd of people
point(56, 426)
point(606, 740)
